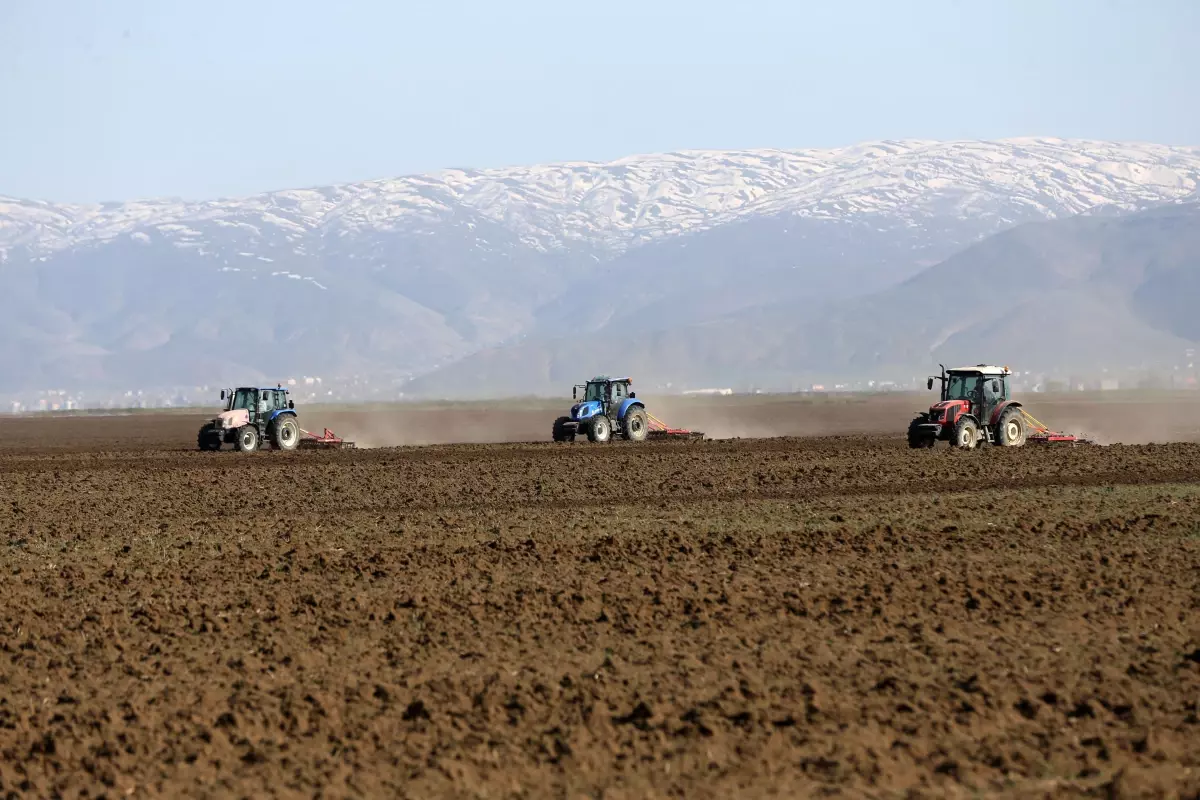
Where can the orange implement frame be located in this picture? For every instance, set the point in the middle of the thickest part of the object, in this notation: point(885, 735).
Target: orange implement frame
point(660, 430)
point(326, 440)
point(1043, 435)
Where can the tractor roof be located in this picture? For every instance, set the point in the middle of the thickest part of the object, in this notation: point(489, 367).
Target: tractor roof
point(982, 369)
point(606, 379)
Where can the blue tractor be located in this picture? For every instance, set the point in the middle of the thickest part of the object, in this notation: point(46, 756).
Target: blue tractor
point(252, 417)
point(608, 408)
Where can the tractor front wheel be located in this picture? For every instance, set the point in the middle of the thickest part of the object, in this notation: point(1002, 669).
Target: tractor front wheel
point(635, 425)
point(1010, 430)
point(917, 438)
point(966, 434)
point(600, 429)
point(208, 439)
point(247, 438)
point(563, 433)
point(285, 432)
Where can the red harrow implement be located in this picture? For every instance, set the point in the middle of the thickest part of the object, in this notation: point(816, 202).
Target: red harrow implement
point(659, 430)
point(1040, 434)
point(327, 440)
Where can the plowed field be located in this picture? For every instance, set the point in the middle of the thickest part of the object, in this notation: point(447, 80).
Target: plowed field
point(789, 616)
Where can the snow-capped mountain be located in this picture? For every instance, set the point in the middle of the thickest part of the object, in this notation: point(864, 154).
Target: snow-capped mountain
point(635, 199)
point(407, 274)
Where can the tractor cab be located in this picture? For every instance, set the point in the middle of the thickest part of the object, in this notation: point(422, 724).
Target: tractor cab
point(979, 388)
point(254, 402)
point(976, 406)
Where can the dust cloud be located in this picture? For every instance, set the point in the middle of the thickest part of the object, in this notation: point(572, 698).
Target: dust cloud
point(1128, 419)
point(471, 424)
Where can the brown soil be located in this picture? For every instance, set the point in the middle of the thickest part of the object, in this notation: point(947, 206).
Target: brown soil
point(742, 618)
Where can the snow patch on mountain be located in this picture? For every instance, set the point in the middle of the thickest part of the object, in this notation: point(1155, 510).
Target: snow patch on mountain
point(612, 206)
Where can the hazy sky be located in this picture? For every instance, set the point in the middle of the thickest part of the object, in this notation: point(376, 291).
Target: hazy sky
point(117, 99)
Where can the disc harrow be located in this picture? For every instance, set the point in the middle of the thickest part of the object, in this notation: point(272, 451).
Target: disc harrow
point(660, 430)
point(327, 440)
point(1041, 434)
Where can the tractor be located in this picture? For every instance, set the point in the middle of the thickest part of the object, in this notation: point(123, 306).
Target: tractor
point(608, 409)
point(251, 418)
point(976, 407)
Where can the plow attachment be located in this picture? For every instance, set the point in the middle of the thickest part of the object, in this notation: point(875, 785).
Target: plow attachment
point(1040, 434)
point(327, 440)
point(660, 430)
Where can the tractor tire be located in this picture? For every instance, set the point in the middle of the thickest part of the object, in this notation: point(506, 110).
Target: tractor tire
point(636, 427)
point(284, 432)
point(208, 438)
point(1010, 430)
point(966, 434)
point(599, 429)
point(917, 438)
point(247, 438)
point(561, 432)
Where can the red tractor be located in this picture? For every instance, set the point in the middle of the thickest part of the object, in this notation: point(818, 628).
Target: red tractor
point(976, 407)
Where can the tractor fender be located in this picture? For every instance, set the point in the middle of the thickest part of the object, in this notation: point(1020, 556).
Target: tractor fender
point(968, 416)
point(628, 403)
point(276, 413)
point(1000, 409)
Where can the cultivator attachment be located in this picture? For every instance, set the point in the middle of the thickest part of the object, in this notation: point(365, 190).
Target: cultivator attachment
point(327, 440)
point(659, 430)
point(1040, 434)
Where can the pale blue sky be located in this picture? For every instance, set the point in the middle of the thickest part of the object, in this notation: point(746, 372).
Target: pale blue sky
point(117, 99)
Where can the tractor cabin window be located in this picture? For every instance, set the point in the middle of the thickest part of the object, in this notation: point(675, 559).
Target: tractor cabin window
point(595, 391)
point(961, 387)
point(244, 399)
point(618, 392)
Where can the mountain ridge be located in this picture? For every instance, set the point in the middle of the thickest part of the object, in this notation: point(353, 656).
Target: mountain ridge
point(863, 178)
point(1086, 293)
point(401, 277)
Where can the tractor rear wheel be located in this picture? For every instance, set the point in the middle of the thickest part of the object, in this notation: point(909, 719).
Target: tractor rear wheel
point(208, 439)
point(1010, 430)
point(600, 429)
point(247, 438)
point(966, 434)
point(561, 432)
point(917, 438)
point(635, 425)
point(284, 432)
